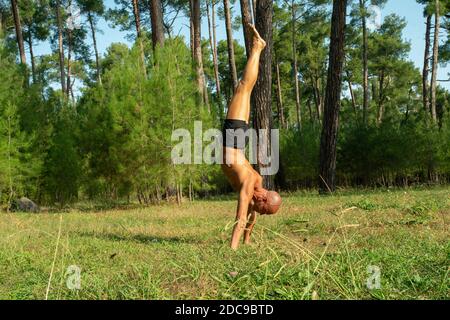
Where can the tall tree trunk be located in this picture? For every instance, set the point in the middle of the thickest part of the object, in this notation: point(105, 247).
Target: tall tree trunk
point(352, 95)
point(201, 83)
point(215, 57)
point(311, 118)
point(317, 97)
point(69, 66)
point(2, 22)
point(213, 43)
point(157, 23)
point(137, 22)
point(295, 68)
point(262, 94)
point(363, 9)
point(71, 90)
point(426, 66)
point(191, 30)
point(226, 6)
point(60, 47)
point(246, 21)
point(137, 17)
point(374, 88)
point(94, 41)
point(33, 64)
point(381, 98)
point(18, 28)
point(279, 96)
point(435, 61)
point(327, 168)
point(254, 11)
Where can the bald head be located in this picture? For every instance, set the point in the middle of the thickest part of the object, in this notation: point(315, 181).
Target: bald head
point(269, 204)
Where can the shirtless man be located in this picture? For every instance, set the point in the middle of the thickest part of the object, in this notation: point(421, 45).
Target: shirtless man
point(241, 175)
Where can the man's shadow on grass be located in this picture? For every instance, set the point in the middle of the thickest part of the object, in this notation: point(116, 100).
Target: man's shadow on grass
point(137, 238)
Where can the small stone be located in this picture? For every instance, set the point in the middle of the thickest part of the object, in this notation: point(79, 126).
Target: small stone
point(233, 273)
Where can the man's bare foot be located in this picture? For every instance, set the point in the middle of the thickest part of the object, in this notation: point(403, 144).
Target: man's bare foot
point(258, 42)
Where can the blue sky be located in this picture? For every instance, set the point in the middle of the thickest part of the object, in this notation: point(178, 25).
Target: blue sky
point(409, 9)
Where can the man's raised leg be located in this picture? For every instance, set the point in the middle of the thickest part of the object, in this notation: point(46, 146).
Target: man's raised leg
point(239, 108)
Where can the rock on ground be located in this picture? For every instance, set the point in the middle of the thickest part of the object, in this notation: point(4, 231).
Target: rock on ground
point(26, 205)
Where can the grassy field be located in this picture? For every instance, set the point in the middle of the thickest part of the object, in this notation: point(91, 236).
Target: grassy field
point(316, 248)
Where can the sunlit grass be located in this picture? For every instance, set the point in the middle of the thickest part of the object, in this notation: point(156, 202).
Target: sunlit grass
point(317, 247)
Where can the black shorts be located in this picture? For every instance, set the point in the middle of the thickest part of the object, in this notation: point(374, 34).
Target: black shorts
point(234, 134)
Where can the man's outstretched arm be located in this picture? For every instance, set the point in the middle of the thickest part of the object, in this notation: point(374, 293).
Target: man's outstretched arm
point(251, 221)
point(245, 197)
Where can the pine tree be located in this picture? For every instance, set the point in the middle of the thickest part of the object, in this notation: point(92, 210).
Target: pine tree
point(16, 169)
point(328, 144)
point(63, 163)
